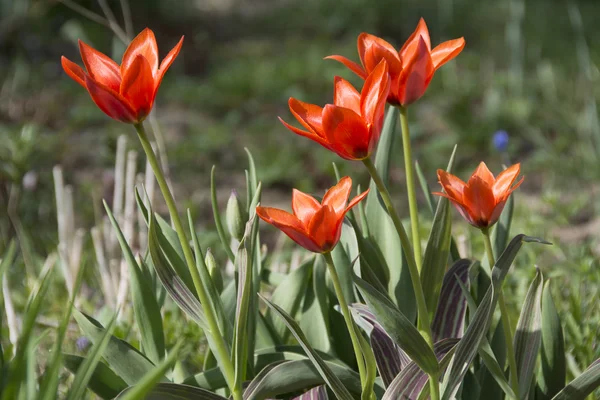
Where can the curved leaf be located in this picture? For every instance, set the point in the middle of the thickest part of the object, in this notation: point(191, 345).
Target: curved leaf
point(583, 385)
point(104, 382)
point(174, 391)
point(449, 319)
point(316, 393)
point(553, 376)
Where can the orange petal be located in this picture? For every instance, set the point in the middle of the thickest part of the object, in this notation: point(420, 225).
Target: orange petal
point(337, 196)
point(356, 200)
point(374, 93)
point(167, 61)
point(346, 132)
point(484, 174)
point(304, 206)
point(505, 180)
point(312, 136)
point(309, 115)
point(325, 228)
point(73, 70)
point(100, 67)
point(288, 224)
point(373, 49)
point(453, 185)
point(351, 65)
point(446, 51)
point(344, 95)
point(109, 101)
point(496, 212)
point(412, 43)
point(144, 44)
point(416, 75)
point(480, 201)
point(138, 86)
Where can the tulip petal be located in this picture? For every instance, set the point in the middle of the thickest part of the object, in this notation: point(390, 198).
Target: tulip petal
point(356, 200)
point(309, 115)
point(73, 70)
point(373, 49)
point(109, 101)
point(416, 75)
point(480, 201)
point(351, 65)
point(100, 67)
point(412, 43)
point(496, 212)
point(482, 172)
point(505, 180)
point(288, 224)
point(346, 132)
point(167, 61)
point(344, 95)
point(138, 86)
point(304, 206)
point(453, 185)
point(337, 196)
point(374, 93)
point(325, 228)
point(144, 44)
point(307, 134)
point(446, 51)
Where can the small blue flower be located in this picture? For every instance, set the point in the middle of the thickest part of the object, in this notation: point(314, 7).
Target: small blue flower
point(500, 140)
point(82, 343)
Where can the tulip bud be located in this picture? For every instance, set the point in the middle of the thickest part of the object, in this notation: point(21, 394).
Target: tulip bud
point(214, 270)
point(236, 216)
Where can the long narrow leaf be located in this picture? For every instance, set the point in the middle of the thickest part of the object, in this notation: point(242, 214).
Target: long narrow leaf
point(240, 344)
point(449, 319)
point(174, 391)
point(553, 376)
point(104, 382)
point(316, 393)
point(328, 376)
point(583, 385)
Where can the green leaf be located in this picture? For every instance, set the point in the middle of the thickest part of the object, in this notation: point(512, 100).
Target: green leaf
point(145, 307)
point(343, 255)
point(436, 255)
point(104, 382)
point(174, 391)
point(88, 366)
point(289, 296)
point(172, 282)
point(217, 216)
point(469, 344)
point(252, 183)
point(528, 335)
point(382, 233)
point(240, 343)
point(315, 310)
point(126, 361)
point(291, 376)
point(553, 376)
point(328, 376)
point(151, 379)
point(583, 385)
point(429, 199)
point(449, 319)
point(398, 327)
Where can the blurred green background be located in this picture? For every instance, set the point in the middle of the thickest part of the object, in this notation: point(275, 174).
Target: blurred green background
point(530, 68)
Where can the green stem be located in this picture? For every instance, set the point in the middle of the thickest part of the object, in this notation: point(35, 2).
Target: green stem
point(410, 186)
point(434, 387)
point(508, 336)
point(220, 345)
point(423, 324)
point(347, 317)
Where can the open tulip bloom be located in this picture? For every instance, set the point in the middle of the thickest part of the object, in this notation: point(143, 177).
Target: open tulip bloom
point(315, 226)
point(411, 69)
point(482, 198)
point(126, 92)
point(350, 127)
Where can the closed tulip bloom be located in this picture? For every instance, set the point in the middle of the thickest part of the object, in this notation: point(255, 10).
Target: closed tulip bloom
point(126, 92)
point(481, 200)
point(411, 69)
point(315, 226)
point(351, 126)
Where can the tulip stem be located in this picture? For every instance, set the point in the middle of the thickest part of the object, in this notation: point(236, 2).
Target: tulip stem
point(347, 318)
point(508, 336)
point(424, 323)
point(220, 345)
point(410, 186)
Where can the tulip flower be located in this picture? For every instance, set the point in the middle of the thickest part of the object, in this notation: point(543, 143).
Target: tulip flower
point(350, 127)
point(410, 69)
point(315, 226)
point(126, 92)
point(481, 200)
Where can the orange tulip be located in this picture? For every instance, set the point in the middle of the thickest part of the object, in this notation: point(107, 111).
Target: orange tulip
point(411, 68)
point(125, 93)
point(351, 125)
point(315, 226)
point(481, 200)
